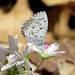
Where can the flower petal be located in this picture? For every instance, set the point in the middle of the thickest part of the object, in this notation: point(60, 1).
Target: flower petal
point(20, 69)
point(12, 44)
point(31, 73)
point(20, 62)
point(2, 59)
point(27, 65)
point(53, 47)
point(15, 39)
point(54, 53)
point(8, 66)
point(57, 53)
point(27, 49)
point(4, 50)
point(35, 49)
point(13, 57)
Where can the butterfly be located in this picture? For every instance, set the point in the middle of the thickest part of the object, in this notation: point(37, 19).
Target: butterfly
point(35, 29)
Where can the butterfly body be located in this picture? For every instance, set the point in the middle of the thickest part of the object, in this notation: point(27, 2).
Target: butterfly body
point(35, 29)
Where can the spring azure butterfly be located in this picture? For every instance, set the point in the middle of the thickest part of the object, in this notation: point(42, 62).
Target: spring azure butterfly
point(35, 28)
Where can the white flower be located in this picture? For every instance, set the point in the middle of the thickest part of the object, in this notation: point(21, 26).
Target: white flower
point(12, 45)
point(17, 59)
point(49, 50)
point(27, 68)
point(12, 48)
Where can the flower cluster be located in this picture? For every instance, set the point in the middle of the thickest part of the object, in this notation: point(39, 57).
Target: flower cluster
point(19, 63)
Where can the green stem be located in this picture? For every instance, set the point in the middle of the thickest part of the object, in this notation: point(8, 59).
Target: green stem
point(39, 65)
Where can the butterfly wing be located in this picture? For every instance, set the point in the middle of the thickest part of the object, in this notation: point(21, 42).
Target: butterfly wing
point(35, 28)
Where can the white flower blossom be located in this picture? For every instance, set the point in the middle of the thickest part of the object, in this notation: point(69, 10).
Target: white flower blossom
point(49, 50)
point(12, 45)
point(17, 59)
point(27, 68)
point(12, 48)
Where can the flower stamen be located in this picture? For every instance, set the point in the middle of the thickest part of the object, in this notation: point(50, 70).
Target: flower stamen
point(42, 51)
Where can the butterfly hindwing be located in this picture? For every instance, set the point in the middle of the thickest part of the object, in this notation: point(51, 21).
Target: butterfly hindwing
point(35, 28)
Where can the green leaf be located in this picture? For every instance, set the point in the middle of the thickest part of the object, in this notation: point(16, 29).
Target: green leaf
point(8, 54)
point(13, 71)
point(9, 70)
point(5, 62)
point(7, 73)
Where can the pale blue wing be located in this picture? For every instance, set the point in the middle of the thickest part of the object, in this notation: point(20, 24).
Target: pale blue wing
point(35, 28)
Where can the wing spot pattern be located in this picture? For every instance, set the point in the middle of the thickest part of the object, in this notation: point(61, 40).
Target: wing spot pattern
point(33, 27)
point(37, 30)
point(39, 19)
point(32, 33)
point(41, 36)
point(35, 36)
point(40, 28)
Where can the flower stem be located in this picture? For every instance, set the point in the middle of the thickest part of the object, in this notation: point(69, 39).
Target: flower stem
point(39, 65)
point(1, 64)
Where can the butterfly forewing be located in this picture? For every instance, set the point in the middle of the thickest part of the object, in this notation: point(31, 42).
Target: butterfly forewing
point(35, 28)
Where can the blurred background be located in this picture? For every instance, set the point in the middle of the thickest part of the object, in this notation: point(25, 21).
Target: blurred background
point(61, 29)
